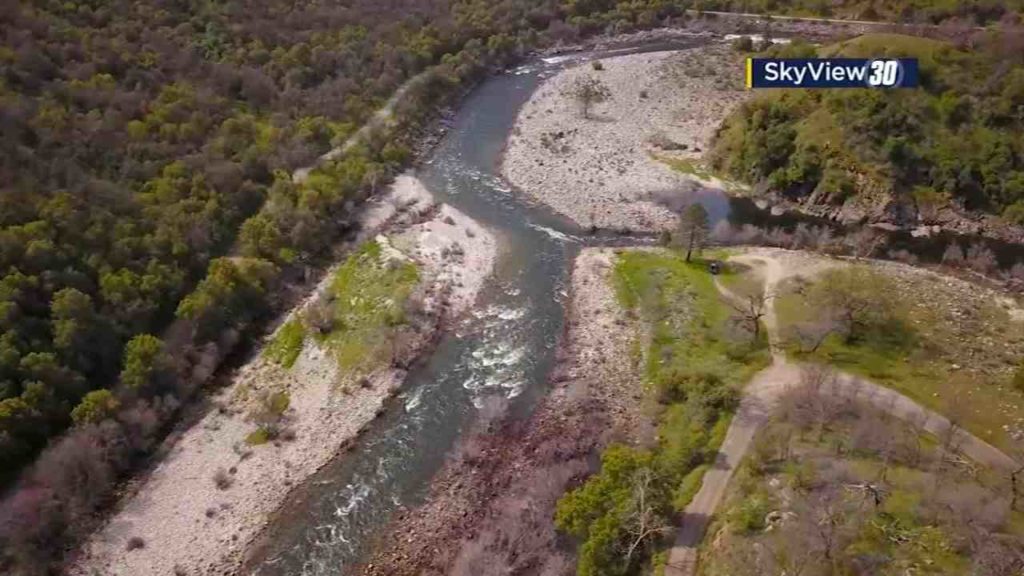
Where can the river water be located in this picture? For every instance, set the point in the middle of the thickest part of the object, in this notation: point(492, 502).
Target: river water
point(505, 348)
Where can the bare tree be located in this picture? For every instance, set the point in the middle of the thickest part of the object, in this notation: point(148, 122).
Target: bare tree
point(851, 296)
point(980, 259)
point(751, 311)
point(865, 242)
point(954, 255)
point(812, 334)
point(644, 522)
point(588, 91)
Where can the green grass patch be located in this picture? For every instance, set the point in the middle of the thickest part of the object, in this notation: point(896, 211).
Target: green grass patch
point(939, 358)
point(699, 170)
point(368, 295)
point(687, 166)
point(689, 487)
point(688, 320)
point(258, 437)
point(286, 344)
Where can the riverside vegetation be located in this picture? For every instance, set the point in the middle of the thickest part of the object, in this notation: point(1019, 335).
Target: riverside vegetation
point(833, 485)
point(359, 315)
point(696, 357)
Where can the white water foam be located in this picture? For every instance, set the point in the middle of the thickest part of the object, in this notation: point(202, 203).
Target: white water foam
point(561, 236)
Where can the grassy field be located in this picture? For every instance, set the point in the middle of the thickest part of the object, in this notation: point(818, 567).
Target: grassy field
point(364, 306)
point(699, 170)
point(952, 351)
point(688, 321)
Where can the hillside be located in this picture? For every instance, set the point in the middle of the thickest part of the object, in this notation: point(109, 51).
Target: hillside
point(893, 156)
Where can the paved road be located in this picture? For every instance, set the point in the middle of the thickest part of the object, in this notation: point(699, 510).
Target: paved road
point(759, 399)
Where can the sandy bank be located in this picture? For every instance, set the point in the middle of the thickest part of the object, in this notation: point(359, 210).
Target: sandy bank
point(489, 510)
point(190, 526)
point(602, 171)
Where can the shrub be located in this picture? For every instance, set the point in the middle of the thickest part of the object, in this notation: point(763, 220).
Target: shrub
point(749, 516)
point(743, 44)
point(1018, 378)
point(258, 437)
point(221, 479)
point(597, 65)
point(135, 543)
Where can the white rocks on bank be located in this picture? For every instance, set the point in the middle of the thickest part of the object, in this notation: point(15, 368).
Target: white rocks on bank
point(191, 526)
point(601, 171)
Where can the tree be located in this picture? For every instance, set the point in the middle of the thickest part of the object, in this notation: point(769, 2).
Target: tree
point(644, 521)
point(852, 296)
point(693, 229)
point(74, 323)
point(588, 91)
point(144, 361)
point(233, 293)
point(752, 310)
point(97, 406)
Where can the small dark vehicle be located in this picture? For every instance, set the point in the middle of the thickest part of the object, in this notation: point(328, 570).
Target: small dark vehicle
point(715, 267)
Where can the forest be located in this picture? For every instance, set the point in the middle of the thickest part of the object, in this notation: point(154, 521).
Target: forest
point(956, 139)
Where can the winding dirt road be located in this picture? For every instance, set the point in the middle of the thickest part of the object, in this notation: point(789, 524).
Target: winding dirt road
point(762, 395)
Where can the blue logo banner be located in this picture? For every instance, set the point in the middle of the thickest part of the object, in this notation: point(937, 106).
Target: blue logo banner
point(832, 73)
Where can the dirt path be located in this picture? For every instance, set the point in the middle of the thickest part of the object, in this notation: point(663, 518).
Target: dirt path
point(380, 118)
point(764, 391)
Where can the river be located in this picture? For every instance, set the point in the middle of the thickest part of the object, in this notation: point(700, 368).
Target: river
point(505, 348)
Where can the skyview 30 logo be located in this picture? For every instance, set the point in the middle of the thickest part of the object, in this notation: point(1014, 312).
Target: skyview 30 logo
point(832, 73)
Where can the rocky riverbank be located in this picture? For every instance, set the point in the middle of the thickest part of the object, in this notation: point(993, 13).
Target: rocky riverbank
point(489, 510)
point(197, 511)
point(608, 169)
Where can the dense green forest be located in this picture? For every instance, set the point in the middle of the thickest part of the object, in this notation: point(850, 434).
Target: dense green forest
point(957, 138)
